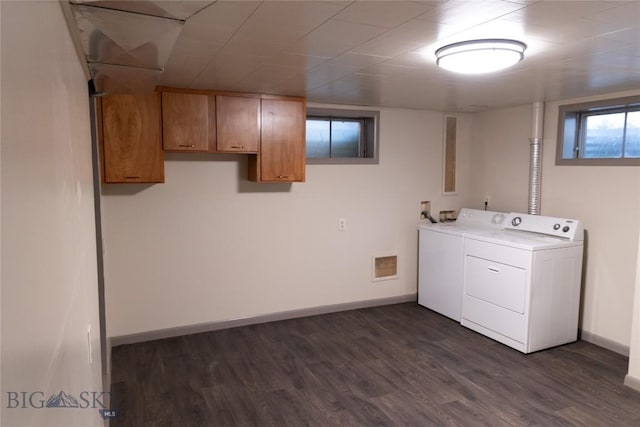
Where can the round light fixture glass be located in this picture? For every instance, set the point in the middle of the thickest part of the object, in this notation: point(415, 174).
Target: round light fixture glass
point(480, 56)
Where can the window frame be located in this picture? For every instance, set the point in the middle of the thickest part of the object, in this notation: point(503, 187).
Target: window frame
point(585, 109)
point(319, 113)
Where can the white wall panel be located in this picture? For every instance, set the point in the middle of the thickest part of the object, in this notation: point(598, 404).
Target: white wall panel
point(49, 279)
point(210, 246)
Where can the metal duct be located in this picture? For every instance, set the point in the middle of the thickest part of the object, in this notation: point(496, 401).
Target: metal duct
point(126, 44)
point(535, 159)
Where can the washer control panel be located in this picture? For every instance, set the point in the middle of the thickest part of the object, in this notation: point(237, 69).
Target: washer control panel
point(570, 229)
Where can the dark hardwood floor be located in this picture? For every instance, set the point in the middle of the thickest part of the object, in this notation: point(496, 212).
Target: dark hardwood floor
point(397, 365)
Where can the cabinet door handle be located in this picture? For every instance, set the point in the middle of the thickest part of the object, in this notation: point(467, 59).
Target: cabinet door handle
point(282, 176)
point(495, 270)
point(187, 145)
point(131, 177)
point(239, 147)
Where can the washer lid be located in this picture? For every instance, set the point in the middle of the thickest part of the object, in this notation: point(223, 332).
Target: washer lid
point(469, 221)
point(455, 228)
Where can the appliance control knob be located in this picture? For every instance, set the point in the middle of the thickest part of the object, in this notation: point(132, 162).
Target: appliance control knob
point(556, 226)
point(565, 228)
point(516, 221)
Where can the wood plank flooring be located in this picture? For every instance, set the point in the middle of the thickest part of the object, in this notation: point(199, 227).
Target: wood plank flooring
point(397, 365)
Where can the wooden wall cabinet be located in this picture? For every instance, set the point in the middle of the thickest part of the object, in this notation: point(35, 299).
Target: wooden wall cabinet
point(130, 136)
point(238, 124)
point(133, 129)
point(188, 122)
point(282, 147)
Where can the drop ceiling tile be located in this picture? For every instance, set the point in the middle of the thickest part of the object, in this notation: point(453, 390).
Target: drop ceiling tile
point(387, 14)
point(325, 73)
point(404, 38)
point(625, 14)
point(166, 9)
point(629, 35)
point(584, 28)
point(336, 94)
point(267, 76)
point(413, 59)
point(626, 57)
point(218, 22)
point(182, 70)
point(197, 46)
point(335, 37)
point(318, 47)
point(422, 31)
point(295, 86)
point(286, 21)
point(557, 13)
point(308, 14)
point(294, 60)
point(356, 60)
point(226, 69)
point(385, 47)
point(497, 28)
point(391, 70)
point(259, 48)
point(265, 30)
point(469, 13)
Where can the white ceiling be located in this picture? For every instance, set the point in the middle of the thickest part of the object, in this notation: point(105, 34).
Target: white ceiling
point(366, 52)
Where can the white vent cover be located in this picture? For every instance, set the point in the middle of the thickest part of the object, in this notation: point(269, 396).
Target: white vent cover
point(385, 267)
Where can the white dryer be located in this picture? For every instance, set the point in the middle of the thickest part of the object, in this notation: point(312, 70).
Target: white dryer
point(441, 259)
point(522, 283)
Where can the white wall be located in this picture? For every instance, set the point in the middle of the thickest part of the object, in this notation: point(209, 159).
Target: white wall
point(606, 199)
point(500, 153)
point(210, 246)
point(49, 283)
point(633, 376)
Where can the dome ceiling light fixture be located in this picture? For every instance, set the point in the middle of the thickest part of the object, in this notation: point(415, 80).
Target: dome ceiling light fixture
point(480, 56)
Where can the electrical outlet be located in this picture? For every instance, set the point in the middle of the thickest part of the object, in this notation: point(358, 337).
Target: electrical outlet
point(342, 224)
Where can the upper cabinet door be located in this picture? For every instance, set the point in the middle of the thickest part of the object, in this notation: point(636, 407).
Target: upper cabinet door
point(238, 124)
point(282, 149)
point(187, 121)
point(130, 133)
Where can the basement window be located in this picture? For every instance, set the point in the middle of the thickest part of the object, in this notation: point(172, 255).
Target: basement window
point(602, 133)
point(336, 136)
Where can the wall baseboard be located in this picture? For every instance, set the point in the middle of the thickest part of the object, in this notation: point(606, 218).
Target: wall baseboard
point(262, 318)
point(604, 342)
point(632, 382)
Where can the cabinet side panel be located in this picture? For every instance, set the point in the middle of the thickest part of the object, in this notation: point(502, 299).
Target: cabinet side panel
point(254, 167)
point(100, 134)
point(212, 123)
point(154, 148)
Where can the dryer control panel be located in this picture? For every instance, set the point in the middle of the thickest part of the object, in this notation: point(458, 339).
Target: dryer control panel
point(570, 229)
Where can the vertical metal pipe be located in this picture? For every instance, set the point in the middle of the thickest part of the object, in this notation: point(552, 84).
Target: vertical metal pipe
point(535, 159)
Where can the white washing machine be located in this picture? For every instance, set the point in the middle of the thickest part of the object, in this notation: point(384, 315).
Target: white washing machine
point(440, 269)
point(522, 283)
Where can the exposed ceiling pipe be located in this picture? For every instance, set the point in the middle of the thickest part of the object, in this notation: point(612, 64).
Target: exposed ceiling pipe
point(535, 159)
